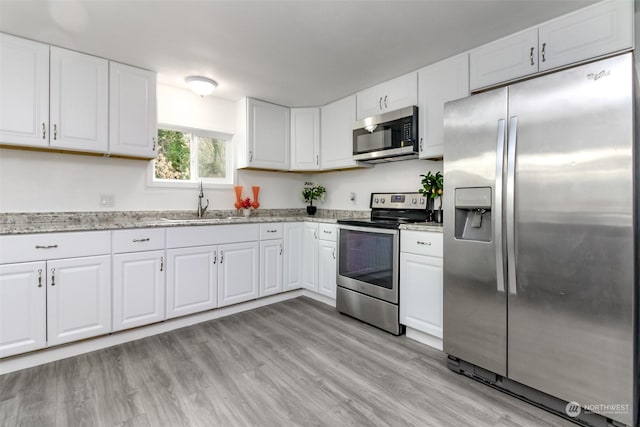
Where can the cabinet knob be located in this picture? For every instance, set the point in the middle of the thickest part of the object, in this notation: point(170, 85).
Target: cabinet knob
point(154, 144)
point(44, 131)
point(333, 253)
point(250, 156)
point(39, 277)
point(280, 249)
point(420, 144)
point(55, 131)
point(161, 263)
point(221, 256)
point(53, 277)
point(215, 257)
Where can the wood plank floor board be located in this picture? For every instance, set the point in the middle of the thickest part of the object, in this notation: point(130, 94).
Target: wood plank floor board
point(294, 363)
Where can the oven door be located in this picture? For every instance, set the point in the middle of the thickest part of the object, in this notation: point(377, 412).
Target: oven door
point(368, 261)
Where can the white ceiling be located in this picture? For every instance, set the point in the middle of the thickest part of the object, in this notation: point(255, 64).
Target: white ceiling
point(294, 53)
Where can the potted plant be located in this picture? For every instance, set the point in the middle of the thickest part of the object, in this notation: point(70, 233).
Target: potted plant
point(246, 206)
point(432, 188)
point(311, 193)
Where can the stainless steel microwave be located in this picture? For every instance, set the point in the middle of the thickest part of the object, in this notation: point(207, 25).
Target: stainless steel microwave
point(387, 137)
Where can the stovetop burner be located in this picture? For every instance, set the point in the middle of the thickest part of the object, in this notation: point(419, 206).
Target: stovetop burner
point(389, 210)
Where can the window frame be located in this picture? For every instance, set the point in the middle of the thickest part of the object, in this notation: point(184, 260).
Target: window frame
point(232, 174)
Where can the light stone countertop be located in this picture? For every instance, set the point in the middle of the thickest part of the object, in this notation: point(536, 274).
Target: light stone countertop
point(51, 222)
point(423, 226)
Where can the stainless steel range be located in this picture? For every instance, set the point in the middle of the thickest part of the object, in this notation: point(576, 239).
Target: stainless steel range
point(368, 258)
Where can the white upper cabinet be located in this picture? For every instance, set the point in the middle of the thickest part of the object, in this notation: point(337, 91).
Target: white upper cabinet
point(505, 59)
point(388, 96)
point(133, 119)
point(262, 135)
point(439, 83)
point(79, 101)
point(305, 138)
point(594, 31)
point(336, 134)
point(24, 89)
point(597, 30)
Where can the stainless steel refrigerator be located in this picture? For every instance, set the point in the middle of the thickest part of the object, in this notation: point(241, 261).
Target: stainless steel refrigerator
point(540, 240)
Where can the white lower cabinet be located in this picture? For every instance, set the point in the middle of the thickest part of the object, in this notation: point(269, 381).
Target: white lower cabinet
point(310, 256)
point(327, 268)
point(138, 289)
point(421, 284)
point(238, 273)
point(293, 255)
point(78, 298)
point(192, 280)
point(271, 266)
point(23, 308)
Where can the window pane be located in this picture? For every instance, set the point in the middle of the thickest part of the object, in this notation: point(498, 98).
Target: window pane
point(174, 155)
point(211, 158)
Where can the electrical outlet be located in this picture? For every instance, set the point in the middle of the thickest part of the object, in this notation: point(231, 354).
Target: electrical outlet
point(107, 200)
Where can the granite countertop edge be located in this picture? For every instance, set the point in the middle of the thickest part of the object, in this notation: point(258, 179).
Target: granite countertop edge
point(52, 222)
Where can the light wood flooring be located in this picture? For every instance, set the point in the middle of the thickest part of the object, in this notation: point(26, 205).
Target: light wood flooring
point(295, 363)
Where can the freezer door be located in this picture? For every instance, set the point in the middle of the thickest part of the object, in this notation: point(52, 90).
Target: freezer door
point(475, 312)
point(571, 266)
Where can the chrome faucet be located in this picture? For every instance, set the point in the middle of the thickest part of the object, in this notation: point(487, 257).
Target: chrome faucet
point(201, 210)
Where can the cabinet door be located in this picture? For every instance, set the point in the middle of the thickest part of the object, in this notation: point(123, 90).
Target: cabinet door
point(138, 289)
point(268, 135)
point(310, 256)
point(336, 134)
point(327, 268)
point(79, 100)
point(24, 85)
point(192, 280)
point(305, 138)
point(597, 30)
point(23, 308)
point(292, 256)
point(133, 122)
point(439, 83)
point(238, 273)
point(421, 293)
point(388, 96)
point(271, 279)
point(503, 60)
point(78, 298)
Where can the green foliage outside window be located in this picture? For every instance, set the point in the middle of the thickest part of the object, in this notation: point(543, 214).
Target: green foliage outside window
point(174, 157)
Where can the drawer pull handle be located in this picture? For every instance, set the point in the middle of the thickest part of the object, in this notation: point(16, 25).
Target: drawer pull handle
point(531, 56)
point(215, 257)
point(280, 249)
point(424, 243)
point(326, 232)
point(53, 277)
point(161, 263)
point(333, 253)
point(39, 277)
point(146, 239)
point(46, 246)
point(221, 256)
point(272, 231)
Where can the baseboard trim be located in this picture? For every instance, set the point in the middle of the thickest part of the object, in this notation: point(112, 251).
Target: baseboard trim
point(423, 338)
point(40, 357)
point(322, 298)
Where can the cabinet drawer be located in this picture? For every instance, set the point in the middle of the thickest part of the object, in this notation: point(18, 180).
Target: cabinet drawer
point(138, 240)
point(271, 231)
point(421, 243)
point(35, 247)
point(182, 237)
point(327, 232)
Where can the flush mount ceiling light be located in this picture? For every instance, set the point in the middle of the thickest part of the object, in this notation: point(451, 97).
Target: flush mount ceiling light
point(202, 86)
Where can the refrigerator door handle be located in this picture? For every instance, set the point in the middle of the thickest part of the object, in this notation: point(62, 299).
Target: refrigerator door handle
point(497, 211)
point(510, 201)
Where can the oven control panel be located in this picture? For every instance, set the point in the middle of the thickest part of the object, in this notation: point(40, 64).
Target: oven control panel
point(398, 201)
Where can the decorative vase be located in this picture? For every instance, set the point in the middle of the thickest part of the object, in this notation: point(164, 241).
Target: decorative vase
point(246, 212)
point(256, 203)
point(437, 216)
point(238, 190)
point(311, 210)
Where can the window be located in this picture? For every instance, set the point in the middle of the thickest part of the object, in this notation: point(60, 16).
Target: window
point(192, 155)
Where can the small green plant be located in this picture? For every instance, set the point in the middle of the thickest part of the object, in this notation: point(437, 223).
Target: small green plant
point(432, 186)
point(311, 193)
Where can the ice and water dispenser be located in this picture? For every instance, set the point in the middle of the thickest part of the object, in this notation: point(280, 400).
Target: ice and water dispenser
point(473, 213)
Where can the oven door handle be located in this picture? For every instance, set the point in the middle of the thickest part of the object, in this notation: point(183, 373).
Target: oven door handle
point(375, 230)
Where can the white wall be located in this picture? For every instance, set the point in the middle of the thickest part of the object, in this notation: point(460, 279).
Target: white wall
point(403, 176)
point(52, 182)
